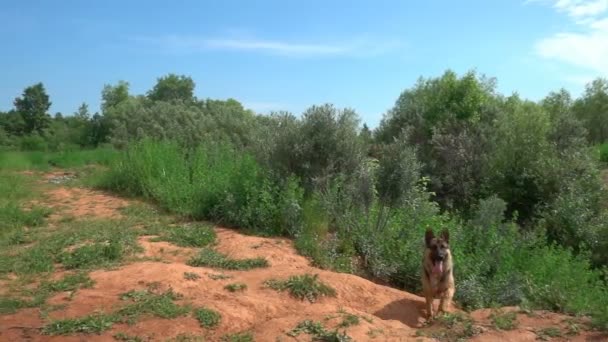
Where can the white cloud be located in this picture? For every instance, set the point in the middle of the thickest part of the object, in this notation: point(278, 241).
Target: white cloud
point(581, 8)
point(361, 46)
point(587, 48)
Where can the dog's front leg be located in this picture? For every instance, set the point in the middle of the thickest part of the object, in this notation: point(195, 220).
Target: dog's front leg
point(446, 299)
point(429, 304)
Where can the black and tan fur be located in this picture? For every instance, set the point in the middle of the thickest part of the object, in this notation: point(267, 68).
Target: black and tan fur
point(437, 283)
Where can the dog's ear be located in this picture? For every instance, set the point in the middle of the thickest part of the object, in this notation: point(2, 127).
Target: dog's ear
point(445, 235)
point(429, 236)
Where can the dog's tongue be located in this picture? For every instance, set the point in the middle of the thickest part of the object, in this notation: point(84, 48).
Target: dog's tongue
point(438, 267)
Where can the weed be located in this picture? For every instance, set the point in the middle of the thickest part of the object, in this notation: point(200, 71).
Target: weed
point(235, 287)
point(219, 276)
point(504, 321)
point(191, 276)
point(573, 328)
point(238, 337)
point(186, 338)
point(373, 333)
point(318, 332)
point(455, 327)
point(548, 333)
point(209, 258)
point(207, 318)
point(127, 338)
point(303, 287)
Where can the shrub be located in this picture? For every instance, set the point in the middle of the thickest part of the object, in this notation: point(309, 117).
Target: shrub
point(209, 258)
point(303, 287)
point(207, 318)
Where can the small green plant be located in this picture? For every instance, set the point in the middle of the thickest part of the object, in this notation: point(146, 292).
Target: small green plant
point(191, 276)
point(235, 287)
point(303, 287)
point(349, 320)
point(548, 333)
point(504, 321)
point(207, 318)
point(209, 258)
point(238, 337)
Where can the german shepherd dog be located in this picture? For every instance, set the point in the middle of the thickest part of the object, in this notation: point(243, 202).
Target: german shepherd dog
point(437, 276)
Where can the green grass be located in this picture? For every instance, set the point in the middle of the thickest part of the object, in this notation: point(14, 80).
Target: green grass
point(24, 297)
point(43, 161)
point(207, 318)
point(16, 191)
point(77, 245)
point(92, 324)
point(302, 287)
point(238, 337)
point(189, 235)
point(93, 256)
point(603, 152)
point(207, 257)
point(10, 305)
point(236, 287)
point(145, 302)
point(141, 303)
point(504, 320)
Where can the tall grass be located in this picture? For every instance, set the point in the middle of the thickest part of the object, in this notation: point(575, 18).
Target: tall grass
point(212, 182)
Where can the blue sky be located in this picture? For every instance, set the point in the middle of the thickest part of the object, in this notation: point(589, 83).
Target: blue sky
point(288, 55)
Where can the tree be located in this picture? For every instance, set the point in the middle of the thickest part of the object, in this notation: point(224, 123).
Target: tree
point(592, 110)
point(33, 106)
point(173, 88)
point(433, 101)
point(83, 113)
point(111, 96)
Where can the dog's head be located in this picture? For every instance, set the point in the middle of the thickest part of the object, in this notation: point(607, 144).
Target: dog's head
point(438, 249)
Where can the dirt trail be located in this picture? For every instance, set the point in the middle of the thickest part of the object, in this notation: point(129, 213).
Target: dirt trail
point(387, 314)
